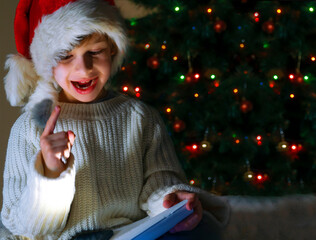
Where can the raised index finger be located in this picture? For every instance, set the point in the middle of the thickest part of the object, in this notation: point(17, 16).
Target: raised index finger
point(51, 122)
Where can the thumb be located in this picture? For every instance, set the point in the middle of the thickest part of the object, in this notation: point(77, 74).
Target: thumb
point(169, 200)
point(71, 137)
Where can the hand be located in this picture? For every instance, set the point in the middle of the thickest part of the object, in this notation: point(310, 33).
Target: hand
point(54, 146)
point(193, 203)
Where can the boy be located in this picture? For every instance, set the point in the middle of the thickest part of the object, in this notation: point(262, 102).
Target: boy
point(83, 158)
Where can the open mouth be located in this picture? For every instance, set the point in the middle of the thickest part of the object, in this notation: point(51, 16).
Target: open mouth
point(84, 86)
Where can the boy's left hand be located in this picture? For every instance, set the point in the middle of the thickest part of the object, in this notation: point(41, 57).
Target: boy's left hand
point(193, 203)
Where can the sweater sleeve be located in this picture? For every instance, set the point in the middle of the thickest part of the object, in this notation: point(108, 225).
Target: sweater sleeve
point(164, 175)
point(33, 205)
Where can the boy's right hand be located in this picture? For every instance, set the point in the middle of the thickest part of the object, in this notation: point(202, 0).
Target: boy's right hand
point(54, 146)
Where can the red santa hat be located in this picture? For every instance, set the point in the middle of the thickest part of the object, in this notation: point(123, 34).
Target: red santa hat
point(44, 29)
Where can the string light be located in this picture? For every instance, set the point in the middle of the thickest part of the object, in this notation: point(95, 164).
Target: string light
point(194, 147)
point(256, 14)
point(235, 90)
point(196, 95)
point(177, 9)
point(259, 138)
point(216, 83)
point(209, 10)
point(213, 76)
point(196, 76)
point(237, 141)
point(311, 9)
point(192, 182)
point(241, 45)
point(291, 76)
point(279, 11)
point(175, 58)
point(259, 177)
point(306, 78)
point(292, 95)
point(271, 84)
point(275, 77)
point(137, 89)
point(147, 46)
point(163, 47)
point(168, 110)
point(137, 94)
point(125, 88)
point(313, 59)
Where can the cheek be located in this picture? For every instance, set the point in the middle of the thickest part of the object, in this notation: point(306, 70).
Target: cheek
point(60, 74)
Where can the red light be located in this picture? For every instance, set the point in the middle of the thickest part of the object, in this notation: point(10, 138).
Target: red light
point(291, 76)
point(259, 143)
point(138, 95)
point(257, 19)
point(194, 147)
point(259, 137)
point(216, 83)
point(137, 89)
point(256, 14)
point(197, 76)
point(125, 88)
point(260, 177)
point(294, 147)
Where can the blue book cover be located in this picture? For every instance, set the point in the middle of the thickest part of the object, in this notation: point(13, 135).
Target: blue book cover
point(150, 228)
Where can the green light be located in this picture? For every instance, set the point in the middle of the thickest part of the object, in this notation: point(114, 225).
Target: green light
point(213, 76)
point(133, 22)
point(306, 78)
point(234, 135)
point(266, 45)
point(182, 77)
point(275, 77)
point(311, 9)
point(177, 9)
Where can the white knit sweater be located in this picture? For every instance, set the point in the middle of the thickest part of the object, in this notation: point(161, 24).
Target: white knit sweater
point(122, 165)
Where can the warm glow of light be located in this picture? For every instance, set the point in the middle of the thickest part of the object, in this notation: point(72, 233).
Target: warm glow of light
point(241, 45)
point(259, 137)
point(197, 76)
point(279, 11)
point(168, 110)
point(256, 14)
point(175, 58)
point(147, 46)
point(204, 145)
point(138, 94)
point(137, 89)
point(123, 68)
point(235, 90)
point(125, 88)
point(257, 19)
point(194, 147)
point(196, 95)
point(313, 59)
point(259, 143)
point(293, 147)
point(292, 95)
point(209, 10)
point(192, 182)
point(291, 76)
point(216, 83)
point(163, 47)
point(271, 84)
point(259, 177)
point(237, 141)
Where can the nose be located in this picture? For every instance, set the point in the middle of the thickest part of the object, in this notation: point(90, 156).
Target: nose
point(84, 64)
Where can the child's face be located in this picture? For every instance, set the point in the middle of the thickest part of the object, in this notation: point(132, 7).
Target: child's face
point(84, 71)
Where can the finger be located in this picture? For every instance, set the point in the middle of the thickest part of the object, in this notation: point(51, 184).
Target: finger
point(71, 137)
point(51, 123)
point(169, 200)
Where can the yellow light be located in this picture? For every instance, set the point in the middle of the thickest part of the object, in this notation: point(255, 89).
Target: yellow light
point(168, 110)
point(237, 141)
point(196, 95)
point(163, 47)
point(209, 10)
point(284, 146)
point(241, 45)
point(279, 11)
point(123, 68)
point(313, 59)
point(175, 58)
point(249, 176)
point(292, 95)
point(235, 90)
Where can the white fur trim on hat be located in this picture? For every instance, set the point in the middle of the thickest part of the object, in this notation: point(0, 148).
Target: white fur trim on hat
point(21, 79)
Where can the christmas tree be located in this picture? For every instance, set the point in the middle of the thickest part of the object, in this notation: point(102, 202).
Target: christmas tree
point(235, 84)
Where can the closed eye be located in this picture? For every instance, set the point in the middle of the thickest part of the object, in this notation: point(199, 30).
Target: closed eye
point(93, 53)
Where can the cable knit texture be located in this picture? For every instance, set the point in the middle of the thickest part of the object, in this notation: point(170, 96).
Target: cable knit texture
point(122, 165)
